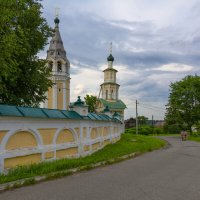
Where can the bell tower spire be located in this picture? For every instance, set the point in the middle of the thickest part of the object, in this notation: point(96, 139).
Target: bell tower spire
point(58, 97)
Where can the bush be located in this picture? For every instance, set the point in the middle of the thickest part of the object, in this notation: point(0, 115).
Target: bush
point(195, 134)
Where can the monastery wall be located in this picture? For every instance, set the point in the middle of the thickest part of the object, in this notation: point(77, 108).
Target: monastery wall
point(26, 140)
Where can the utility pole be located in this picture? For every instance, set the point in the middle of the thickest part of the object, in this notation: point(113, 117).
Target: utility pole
point(136, 117)
point(152, 124)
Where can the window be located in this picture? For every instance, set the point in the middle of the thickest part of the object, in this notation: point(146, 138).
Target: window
point(59, 66)
point(51, 65)
point(106, 94)
point(112, 94)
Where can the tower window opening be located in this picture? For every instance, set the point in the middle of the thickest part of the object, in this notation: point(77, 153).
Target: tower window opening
point(59, 90)
point(58, 52)
point(106, 94)
point(111, 94)
point(59, 66)
point(51, 65)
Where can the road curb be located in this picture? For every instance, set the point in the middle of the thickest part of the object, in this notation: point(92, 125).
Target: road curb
point(53, 175)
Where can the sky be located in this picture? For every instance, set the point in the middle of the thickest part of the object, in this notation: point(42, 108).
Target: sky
point(155, 43)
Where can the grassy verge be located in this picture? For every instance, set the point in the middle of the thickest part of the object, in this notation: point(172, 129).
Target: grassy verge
point(128, 144)
point(193, 138)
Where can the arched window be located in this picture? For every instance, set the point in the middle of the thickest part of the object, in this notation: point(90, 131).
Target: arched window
point(59, 66)
point(112, 94)
point(106, 94)
point(51, 65)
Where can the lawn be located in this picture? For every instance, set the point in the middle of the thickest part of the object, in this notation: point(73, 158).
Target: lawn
point(128, 144)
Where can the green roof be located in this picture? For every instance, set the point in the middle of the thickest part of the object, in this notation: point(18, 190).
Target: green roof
point(113, 105)
point(19, 111)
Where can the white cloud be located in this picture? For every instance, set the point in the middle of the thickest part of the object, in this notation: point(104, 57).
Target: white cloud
point(175, 67)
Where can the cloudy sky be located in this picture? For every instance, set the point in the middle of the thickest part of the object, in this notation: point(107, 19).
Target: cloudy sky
point(154, 43)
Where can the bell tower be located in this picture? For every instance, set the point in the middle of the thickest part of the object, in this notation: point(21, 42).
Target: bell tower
point(110, 88)
point(109, 91)
point(58, 96)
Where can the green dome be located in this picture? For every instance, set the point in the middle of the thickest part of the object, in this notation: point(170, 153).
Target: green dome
point(56, 20)
point(79, 102)
point(110, 58)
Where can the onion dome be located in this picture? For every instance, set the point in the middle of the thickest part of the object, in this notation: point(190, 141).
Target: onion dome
point(110, 58)
point(56, 20)
point(79, 102)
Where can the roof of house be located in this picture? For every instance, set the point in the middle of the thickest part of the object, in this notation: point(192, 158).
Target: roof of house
point(113, 105)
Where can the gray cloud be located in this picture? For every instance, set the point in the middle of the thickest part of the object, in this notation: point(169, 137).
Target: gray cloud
point(140, 46)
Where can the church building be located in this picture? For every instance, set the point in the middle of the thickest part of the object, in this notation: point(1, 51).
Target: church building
point(109, 101)
point(58, 96)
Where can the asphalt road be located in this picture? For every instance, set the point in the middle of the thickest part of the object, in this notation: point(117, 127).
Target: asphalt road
point(167, 174)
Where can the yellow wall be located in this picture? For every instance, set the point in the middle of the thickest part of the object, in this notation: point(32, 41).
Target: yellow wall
point(84, 132)
point(65, 136)
point(95, 146)
point(86, 147)
point(105, 131)
point(94, 133)
point(21, 139)
point(106, 142)
point(50, 98)
point(47, 135)
point(22, 160)
point(2, 134)
point(49, 155)
point(66, 152)
point(60, 95)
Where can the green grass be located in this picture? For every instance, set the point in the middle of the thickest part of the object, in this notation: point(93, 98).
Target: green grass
point(193, 138)
point(128, 144)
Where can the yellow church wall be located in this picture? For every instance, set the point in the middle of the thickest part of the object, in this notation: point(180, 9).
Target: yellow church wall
point(60, 95)
point(106, 142)
point(47, 135)
point(50, 98)
point(66, 152)
point(94, 133)
point(49, 155)
point(65, 136)
point(2, 134)
point(86, 147)
point(105, 131)
point(22, 160)
point(95, 146)
point(22, 139)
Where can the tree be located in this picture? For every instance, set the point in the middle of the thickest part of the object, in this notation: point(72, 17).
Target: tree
point(183, 108)
point(91, 100)
point(142, 120)
point(24, 78)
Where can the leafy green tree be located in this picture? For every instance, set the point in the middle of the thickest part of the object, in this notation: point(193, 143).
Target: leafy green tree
point(142, 120)
point(183, 108)
point(91, 101)
point(24, 78)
